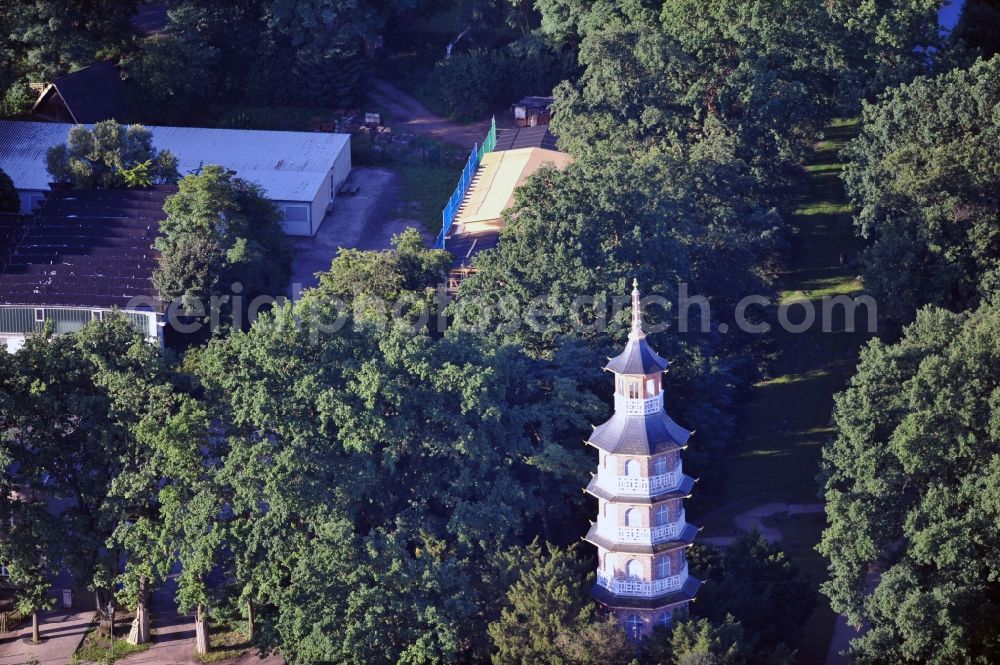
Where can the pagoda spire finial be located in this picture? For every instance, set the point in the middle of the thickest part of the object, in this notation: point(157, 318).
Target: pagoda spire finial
point(636, 311)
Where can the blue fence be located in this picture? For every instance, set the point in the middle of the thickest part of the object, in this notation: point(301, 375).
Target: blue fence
point(471, 165)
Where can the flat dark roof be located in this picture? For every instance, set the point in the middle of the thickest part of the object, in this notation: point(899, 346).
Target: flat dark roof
point(465, 246)
point(525, 137)
point(87, 248)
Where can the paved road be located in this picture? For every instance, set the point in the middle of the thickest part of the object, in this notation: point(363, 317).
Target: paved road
point(367, 220)
point(405, 112)
point(62, 632)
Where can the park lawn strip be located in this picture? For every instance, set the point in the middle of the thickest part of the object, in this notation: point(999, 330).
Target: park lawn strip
point(224, 643)
point(424, 191)
point(800, 533)
point(96, 647)
point(786, 419)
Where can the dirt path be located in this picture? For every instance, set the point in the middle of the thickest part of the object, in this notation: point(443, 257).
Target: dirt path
point(407, 113)
point(753, 519)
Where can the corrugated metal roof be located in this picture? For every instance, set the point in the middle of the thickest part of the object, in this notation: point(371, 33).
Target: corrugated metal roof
point(290, 166)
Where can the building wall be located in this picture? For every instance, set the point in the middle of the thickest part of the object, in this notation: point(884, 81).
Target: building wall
point(335, 178)
point(651, 618)
point(17, 322)
point(322, 198)
point(30, 198)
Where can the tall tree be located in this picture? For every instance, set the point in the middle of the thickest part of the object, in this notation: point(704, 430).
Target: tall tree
point(755, 583)
point(369, 474)
point(382, 278)
point(979, 26)
point(221, 239)
point(912, 486)
point(110, 155)
point(884, 43)
point(924, 174)
point(49, 38)
point(549, 617)
point(70, 401)
point(762, 71)
point(578, 238)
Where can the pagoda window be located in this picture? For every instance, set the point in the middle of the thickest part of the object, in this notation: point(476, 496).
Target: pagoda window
point(659, 466)
point(633, 626)
point(632, 517)
point(650, 387)
point(661, 515)
point(633, 570)
point(633, 389)
point(631, 468)
point(663, 567)
point(665, 619)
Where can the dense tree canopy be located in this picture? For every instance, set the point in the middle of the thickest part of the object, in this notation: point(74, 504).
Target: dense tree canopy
point(756, 584)
point(110, 155)
point(370, 476)
point(69, 404)
point(924, 175)
point(979, 26)
point(408, 270)
point(549, 617)
point(48, 38)
point(912, 486)
point(221, 238)
point(589, 231)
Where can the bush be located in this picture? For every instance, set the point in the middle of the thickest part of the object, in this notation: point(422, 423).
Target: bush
point(469, 85)
point(9, 200)
point(16, 100)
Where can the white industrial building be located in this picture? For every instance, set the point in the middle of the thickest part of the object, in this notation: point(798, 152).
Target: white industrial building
point(299, 171)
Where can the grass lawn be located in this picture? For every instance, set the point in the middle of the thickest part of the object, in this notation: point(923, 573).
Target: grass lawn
point(424, 190)
point(801, 533)
point(786, 420)
point(223, 644)
point(96, 646)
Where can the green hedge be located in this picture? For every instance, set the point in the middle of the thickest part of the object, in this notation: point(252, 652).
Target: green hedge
point(471, 84)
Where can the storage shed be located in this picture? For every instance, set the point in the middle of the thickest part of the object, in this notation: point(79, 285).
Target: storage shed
point(90, 94)
point(300, 172)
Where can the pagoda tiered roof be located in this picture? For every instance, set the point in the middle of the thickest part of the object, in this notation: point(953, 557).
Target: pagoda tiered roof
point(649, 434)
point(637, 358)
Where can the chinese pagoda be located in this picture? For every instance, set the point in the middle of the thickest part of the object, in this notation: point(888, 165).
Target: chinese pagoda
point(641, 534)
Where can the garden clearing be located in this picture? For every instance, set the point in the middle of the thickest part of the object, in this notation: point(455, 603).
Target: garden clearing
point(786, 419)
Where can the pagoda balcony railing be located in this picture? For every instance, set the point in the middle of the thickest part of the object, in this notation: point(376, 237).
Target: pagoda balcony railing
point(638, 407)
point(638, 485)
point(640, 534)
point(642, 588)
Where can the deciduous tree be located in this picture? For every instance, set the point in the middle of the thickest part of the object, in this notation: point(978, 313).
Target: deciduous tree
point(110, 155)
point(923, 173)
point(912, 486)
point(220, 231)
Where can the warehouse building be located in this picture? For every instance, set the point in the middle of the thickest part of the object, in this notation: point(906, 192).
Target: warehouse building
point(300, 172)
